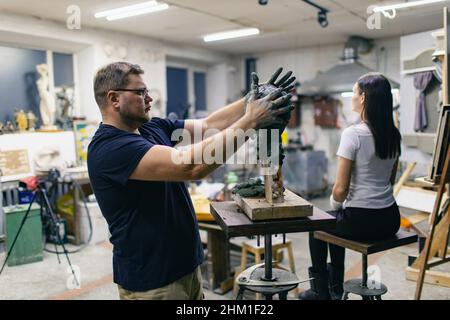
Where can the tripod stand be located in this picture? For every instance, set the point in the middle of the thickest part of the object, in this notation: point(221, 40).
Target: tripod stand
point(49, 216)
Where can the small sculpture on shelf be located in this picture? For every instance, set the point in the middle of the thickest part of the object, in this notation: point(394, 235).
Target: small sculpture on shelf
point(47, 105)
point(21, 120)
point(31, 121)
point(64, 97)
point(9, 127)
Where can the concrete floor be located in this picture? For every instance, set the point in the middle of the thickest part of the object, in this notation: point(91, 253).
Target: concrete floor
point(49, 280)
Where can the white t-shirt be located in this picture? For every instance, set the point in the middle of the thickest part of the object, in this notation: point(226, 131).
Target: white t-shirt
point(370, 185)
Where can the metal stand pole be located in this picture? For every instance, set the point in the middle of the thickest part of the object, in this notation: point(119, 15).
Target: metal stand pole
point(268, 257)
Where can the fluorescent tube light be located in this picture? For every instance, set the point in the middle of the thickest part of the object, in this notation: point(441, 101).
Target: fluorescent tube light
point(231, 34)
point(133, 10)
point(159, 7)
point(138, 6)
point(405, 5)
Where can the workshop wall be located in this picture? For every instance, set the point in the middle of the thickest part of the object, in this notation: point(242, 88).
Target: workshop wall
point(410, 46)
point(94, 48)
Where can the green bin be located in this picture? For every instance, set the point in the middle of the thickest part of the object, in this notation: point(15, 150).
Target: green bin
point(29, 246)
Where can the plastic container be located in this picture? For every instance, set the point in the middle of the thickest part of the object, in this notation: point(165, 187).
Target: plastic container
point(100, 232)
point(29, 245)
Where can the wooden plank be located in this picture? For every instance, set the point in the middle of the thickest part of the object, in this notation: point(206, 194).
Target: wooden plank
point(258, 209)
point(416, 198)
point(218, 253)
point(404, 177)
point(431, 276)
point(418, 217)
point(429, 245)
point(400, 239)
point(432, 262)
point(236, 223)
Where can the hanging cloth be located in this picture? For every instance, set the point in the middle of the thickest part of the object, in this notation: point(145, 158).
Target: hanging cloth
point(421, 82)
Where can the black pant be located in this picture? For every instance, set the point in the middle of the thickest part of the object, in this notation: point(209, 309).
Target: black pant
point(354, 224)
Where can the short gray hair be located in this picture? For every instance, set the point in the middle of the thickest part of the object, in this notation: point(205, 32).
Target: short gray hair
point(113, 76)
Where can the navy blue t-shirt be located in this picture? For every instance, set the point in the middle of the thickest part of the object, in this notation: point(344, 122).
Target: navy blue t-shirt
point(153, 226)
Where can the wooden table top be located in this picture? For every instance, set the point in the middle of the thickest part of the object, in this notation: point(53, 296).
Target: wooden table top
point(236, 223)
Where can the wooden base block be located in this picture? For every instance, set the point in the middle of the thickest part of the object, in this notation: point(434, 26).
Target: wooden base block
point(431, 277)
point(258, 209)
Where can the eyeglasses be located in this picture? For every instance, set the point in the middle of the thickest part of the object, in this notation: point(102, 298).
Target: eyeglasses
point(143, 92)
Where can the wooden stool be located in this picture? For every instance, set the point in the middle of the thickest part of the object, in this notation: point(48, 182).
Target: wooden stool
point(359, 286)
point(251, 246)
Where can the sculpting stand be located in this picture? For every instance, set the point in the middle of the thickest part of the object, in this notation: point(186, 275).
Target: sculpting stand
point(269, 281)
point(264, 278)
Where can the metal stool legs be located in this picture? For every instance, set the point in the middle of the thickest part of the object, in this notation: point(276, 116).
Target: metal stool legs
point(359, 286)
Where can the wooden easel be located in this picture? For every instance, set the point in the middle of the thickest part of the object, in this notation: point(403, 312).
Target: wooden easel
point(436, 245)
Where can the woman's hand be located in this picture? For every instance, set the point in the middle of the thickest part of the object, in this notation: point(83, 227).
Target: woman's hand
point(335, 205)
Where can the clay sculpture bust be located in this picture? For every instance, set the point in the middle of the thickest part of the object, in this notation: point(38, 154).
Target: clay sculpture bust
point(264, 89)
point(281, 88)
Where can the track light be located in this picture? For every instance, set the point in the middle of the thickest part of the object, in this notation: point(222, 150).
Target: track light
point(322, 18)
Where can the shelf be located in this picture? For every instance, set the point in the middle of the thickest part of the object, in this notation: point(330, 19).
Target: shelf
point(418, 70)
point(439, 53)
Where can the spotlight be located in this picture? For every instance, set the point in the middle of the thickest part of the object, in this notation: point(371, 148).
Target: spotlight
point(322, 18)
point(263, 2)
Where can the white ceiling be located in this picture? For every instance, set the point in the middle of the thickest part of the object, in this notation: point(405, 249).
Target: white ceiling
point(284, 23)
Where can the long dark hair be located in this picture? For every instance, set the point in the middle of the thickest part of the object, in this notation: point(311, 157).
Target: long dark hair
point(377, 112)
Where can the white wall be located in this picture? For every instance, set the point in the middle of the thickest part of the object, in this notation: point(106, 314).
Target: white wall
point(217, 92)
point(89, 46)
point(410, 47)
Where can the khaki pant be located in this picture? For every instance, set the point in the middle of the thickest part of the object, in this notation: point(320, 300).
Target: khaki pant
point(187, 288)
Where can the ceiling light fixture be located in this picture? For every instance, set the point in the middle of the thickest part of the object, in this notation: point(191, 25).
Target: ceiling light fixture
point(393, 7)
point(322, 18)
point(231, 34)
point(133, 10)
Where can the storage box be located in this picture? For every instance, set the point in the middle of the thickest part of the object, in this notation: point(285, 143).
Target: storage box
point(29, 245)
point(100, 232)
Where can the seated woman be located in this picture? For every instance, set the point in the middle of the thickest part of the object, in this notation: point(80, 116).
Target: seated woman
point(362, 198)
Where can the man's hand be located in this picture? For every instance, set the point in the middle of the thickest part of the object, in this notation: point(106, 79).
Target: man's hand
point(265, 88)
point(285, 82)
point(271, 110)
